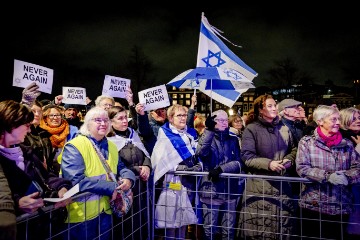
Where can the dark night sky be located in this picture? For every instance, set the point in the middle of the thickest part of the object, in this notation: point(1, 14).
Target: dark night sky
point(83, 45)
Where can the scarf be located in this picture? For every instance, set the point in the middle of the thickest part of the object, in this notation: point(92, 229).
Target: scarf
point(58, 134)
point(14, 154)
point(330, 141)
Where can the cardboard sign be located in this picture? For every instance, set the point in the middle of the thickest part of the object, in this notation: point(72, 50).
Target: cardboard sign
point(115, 86)
point(26, 73)
point(154, 98)
point(74, 95)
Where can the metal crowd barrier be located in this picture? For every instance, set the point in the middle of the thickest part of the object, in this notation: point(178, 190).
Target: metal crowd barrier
point(135, 225)
point(139, 223)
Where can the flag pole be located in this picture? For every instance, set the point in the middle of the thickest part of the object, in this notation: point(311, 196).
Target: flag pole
point(211, 97)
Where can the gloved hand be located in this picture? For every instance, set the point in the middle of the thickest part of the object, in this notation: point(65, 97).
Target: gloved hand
point(210, 123)
point(30, 93)
point(337, 178)
point(214, 174)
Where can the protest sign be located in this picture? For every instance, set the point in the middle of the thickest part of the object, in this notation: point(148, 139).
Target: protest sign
point(26, 73)
point(154, 98)
point(115, 86)
point(74, 95)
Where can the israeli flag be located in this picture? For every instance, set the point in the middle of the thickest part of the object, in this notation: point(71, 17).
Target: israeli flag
point(212, 52)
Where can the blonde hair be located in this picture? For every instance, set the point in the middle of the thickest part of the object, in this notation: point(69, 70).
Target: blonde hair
point(347, 117)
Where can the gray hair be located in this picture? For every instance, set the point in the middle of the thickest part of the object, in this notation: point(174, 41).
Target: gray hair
point(218, 112)
point(90, 115)
point(347, 117)
point(102, 97)
point(323, 111)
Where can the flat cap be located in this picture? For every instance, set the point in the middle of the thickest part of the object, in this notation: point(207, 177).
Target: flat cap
point(288, 103)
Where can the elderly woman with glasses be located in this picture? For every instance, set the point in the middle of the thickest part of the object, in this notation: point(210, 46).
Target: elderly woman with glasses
point(332, 165)
point(81, 162)
point(175, 150)
point(59, 129)
point(267, 149)
point(220, 153)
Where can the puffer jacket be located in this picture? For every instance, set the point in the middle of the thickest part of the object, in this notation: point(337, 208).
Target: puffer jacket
point(263, 142)
point(220, 149)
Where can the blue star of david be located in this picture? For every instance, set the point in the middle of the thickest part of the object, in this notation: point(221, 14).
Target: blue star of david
point(210, 55)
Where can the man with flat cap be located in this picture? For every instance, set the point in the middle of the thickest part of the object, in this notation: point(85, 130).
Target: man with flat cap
point(289, 110)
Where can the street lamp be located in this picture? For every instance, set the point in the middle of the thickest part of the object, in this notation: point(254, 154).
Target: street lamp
point(231, 111)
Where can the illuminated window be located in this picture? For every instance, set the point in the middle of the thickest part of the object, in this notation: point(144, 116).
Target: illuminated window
point(203, 107)
point(245, 107)
point(251, 99)
point(181, 102)
point(173, 88)
point(246, 99)
point(188, 102)
point(187, 95)
point(174, 95)
point(181, 95)
point(174, 102)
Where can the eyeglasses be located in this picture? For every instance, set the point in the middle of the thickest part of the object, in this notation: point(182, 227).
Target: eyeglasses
point(100, 120)
point(54, 115)
point(221, 120)
point(334, 120)
point(107, 105)
point(181, 116)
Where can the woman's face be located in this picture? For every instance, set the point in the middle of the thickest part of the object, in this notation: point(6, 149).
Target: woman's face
point(98, 126)
point(37, 114)
point(179, 119)
point(237, 123)
point(54, 118)
point(355, 124)
point(330, 125)
point(269, 111)
point(120, 121)
point(106, 104)
point(17, 135)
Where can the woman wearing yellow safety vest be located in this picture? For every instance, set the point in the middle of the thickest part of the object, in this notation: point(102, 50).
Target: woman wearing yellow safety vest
point(81, 163)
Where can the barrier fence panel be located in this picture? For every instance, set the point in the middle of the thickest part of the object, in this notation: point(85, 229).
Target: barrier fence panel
point(266, 207)
point(50, 223)
point(269, 207)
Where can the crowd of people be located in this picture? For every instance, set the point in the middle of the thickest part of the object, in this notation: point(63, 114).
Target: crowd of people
point(46, 149)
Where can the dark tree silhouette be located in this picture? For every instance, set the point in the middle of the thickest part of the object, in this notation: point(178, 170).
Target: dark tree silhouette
point(286, 73)
point(140, 70)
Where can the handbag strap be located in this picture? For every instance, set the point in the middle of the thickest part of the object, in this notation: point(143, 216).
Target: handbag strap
point(110, 174)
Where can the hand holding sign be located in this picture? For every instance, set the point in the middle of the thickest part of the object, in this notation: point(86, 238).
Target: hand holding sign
point(30, 93)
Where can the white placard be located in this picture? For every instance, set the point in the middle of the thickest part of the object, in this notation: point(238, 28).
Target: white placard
point(74, 95)
point(74, 190)
point(154, 98)
point(26, 73)
point(115, 86)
